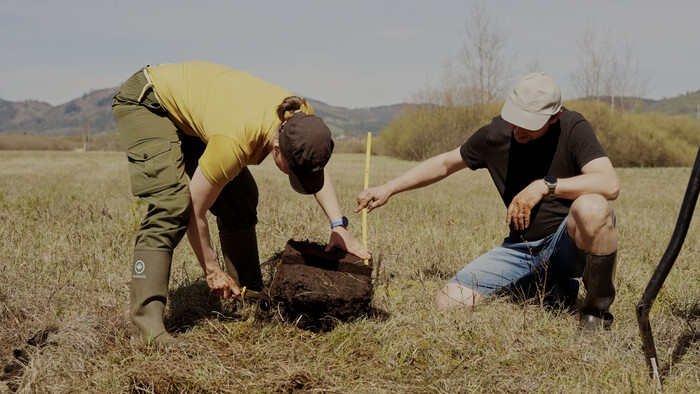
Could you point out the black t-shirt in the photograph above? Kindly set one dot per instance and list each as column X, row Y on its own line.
column 562, row 151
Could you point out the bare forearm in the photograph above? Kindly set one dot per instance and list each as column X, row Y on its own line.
column 571, row 188
column 427, row 172
column 327, row 198
column 198, row 235
column 202, row 196
column 340, row 236
column 598, row 177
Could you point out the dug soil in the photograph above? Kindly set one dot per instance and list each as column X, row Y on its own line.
column 315, row 289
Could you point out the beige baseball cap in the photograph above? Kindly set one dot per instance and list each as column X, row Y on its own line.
column 533, row 100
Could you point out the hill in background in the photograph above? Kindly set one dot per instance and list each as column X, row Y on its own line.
column 686, row 104
column 356, row 122
column 92, row 113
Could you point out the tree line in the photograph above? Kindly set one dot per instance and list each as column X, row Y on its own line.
column 608, row 83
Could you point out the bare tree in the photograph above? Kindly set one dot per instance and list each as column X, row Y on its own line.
column 481, row 68
column 608, row 66
column 623, row 78
column 594, row 57
column 534, row 66
column 446, row 115
column 85, row 134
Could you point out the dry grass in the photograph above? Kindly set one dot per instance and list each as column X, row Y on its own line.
column 35, row 142
column 66, row 232
column 101, row 142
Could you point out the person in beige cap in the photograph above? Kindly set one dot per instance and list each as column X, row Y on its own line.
column 555, row 181
column 190, row 130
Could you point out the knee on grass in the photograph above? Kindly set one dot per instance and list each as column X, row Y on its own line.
column 454, row 295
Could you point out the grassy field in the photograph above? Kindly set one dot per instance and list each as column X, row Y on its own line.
column 67, row 221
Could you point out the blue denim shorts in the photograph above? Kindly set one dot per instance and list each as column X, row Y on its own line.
column 514, row 265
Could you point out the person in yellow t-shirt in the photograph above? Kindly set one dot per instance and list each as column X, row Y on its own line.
column 190, row 130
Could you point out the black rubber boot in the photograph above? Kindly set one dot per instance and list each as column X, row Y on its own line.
column 562, row 294
column 240, row 250
column 599, row 279
column 150, row 274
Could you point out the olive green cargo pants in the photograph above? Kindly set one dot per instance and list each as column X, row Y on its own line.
column 161, row 158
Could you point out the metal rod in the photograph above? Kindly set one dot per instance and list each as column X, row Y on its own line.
column 663, row 268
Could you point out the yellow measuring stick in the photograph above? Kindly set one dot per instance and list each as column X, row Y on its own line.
column 364, row 211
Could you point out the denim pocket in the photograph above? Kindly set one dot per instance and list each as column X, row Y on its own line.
column 151, row 167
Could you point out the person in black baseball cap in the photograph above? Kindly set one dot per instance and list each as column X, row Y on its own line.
column 306, row 145
column 301, row 148
column 190, row 130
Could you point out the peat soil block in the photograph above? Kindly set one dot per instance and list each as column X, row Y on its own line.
column 316, row 289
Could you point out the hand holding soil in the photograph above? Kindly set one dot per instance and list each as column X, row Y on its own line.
column 341, row 238
column 222, row 285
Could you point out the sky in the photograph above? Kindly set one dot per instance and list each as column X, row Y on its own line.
column 352, row 53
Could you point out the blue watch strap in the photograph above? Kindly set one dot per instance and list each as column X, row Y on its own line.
column 341, row 222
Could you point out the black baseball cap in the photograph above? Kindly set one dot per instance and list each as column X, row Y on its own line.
column 306, row 143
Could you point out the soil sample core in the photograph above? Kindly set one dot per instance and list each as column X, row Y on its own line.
column 316, row 289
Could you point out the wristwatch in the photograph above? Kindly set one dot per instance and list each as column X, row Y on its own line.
column 341, row 222
column 551, row 183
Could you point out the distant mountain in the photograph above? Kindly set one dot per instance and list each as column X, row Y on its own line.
column 685, row 104
column 93, row 112
column 356, row 122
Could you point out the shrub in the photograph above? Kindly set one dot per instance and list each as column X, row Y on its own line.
column 350, row 145
column 629, row 139
column 420, row 133
column 642, row 140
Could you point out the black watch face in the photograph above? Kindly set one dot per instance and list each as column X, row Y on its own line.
column 550, row 179
column 345, row 221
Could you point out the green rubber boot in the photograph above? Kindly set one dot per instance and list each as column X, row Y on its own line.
column 599, row 279
column 150, row 274
column 240, row 250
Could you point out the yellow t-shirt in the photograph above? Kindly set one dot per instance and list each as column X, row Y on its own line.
column 232, row 111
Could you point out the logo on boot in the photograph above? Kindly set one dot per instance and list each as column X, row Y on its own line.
column 139, row 267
